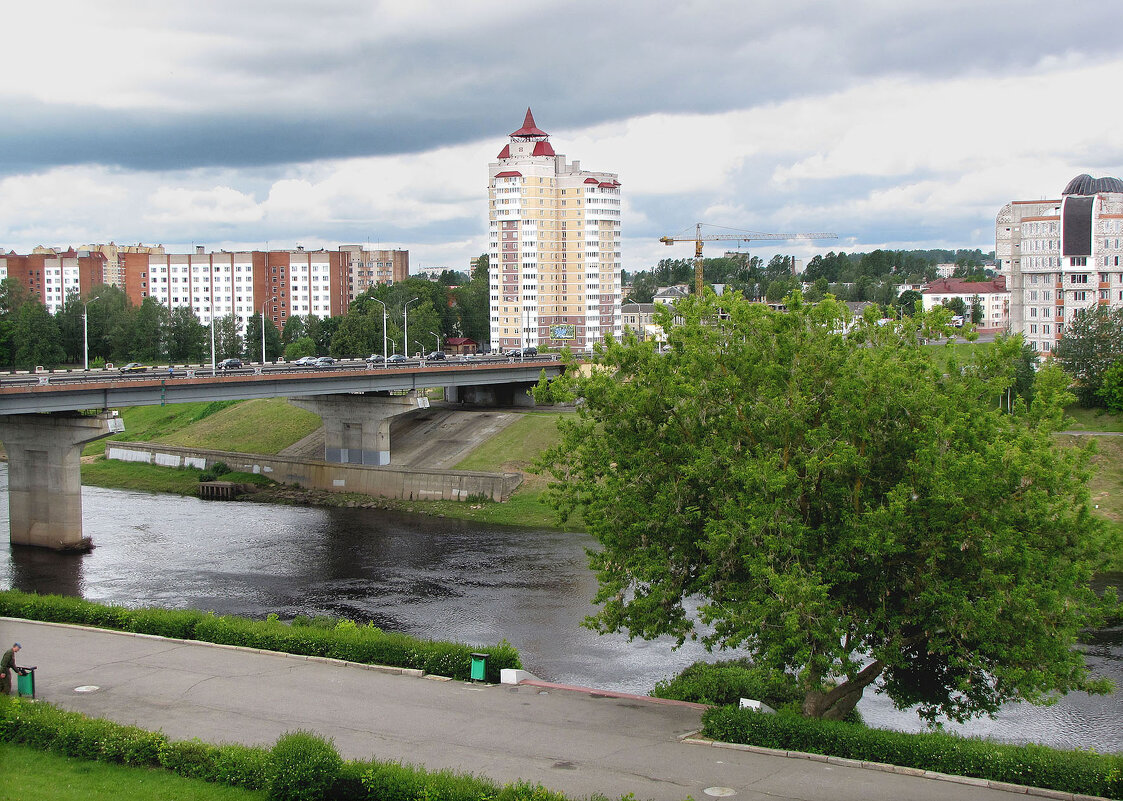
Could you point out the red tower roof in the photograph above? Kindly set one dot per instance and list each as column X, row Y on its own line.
column 505, row 153
column 529, row 128
column 543, row 148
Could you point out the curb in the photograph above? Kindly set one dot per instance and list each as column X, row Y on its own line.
column 1039, row 792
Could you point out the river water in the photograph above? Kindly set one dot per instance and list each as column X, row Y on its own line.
column 431, row 577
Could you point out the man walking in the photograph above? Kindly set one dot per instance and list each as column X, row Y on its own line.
column 7, row 666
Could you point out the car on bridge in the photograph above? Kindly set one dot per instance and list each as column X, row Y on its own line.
column 436, row 356
column 229, row 364
column 305, row 361
column 134, row 367
column 375, row 358
column 397, row 358
column 324, row 361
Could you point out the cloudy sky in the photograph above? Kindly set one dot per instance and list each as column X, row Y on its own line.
column 276, row 123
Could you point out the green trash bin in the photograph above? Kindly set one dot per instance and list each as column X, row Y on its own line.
column 25, row 682
column 479, row 667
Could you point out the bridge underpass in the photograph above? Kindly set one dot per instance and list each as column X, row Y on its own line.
column 43, row 433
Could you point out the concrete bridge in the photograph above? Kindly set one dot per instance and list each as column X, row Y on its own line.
column 46, row 419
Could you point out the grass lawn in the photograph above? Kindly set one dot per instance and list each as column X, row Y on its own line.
column 151, row 478
column 253, row 426
column 44, row 776
column 1094, row 419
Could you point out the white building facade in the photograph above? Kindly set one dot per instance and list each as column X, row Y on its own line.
column 554, row 247
column 1061, row 256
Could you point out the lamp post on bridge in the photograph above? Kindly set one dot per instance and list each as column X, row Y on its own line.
column 405, row 326
column 86, row 330
column 385, row 314
column 437, row 339
column 263, row 328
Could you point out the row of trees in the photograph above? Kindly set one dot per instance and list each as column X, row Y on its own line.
column 874, row 276
column 119, row 331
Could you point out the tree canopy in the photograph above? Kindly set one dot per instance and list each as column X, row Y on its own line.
column 1092, row 342
column 837, row 502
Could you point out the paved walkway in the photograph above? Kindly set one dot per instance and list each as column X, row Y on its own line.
column 577, row 742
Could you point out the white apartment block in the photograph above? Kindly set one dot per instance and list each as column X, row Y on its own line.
column 554, row 245
column 1061, row 256
column 992, row 298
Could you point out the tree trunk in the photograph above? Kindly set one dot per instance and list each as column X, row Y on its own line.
column 840, row 701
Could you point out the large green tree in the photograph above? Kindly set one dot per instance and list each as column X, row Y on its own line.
column 38, row 342
column 189, row 341
column 1092, row 342
column 837, row 503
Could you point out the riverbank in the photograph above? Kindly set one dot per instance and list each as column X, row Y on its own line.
column 526, row 507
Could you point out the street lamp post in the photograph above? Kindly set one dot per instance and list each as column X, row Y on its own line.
column 437, row 340
column 405, row 326
column 263, row 328
column 86, row 330
column 385, row 314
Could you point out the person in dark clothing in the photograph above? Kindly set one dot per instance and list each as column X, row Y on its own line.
column 7, row 667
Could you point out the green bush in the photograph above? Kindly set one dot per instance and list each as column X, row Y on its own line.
column 725, row 683
column 220, row 468
column 178, row 624
column 304, row 767
column 1081, row 772
column 321, row 636
column 207, row 475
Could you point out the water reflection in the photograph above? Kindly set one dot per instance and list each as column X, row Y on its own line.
column 431, row 577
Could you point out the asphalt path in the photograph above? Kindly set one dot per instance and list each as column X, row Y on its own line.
column 576, row 741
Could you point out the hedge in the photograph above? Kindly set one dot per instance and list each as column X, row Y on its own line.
column 1078, row 772
column 301, row 766
column 339, row 639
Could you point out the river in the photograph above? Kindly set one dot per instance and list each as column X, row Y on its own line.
column 432, row 577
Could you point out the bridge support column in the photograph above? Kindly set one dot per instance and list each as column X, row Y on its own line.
column 44, row 475
column 357, row 427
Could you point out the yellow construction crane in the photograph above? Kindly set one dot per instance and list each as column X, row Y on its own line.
column 741, row 236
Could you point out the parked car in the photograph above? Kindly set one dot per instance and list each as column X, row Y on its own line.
column 436, row 356
column 375, row 358
column 325, row 361
column 530, row 352
column 229, row 364
column 134, row 367
column 396, row 358
column 305, row 361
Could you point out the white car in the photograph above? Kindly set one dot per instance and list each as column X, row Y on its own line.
column 305, row 361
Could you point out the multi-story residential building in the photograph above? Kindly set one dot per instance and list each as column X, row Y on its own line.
column 991, row 297
column 283, row 283
column 1061, row 256
column 50, row 276
column 554, row 247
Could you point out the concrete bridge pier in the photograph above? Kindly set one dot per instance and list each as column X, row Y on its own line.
column 357, row 427
column 45, row 477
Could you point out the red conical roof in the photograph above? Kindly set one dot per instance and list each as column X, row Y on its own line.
column 505, row 153
column 529, row 128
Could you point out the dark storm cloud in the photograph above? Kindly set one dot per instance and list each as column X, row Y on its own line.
column 292, row 82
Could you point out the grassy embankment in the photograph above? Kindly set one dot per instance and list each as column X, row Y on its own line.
column 269, row 426
column 30, row 773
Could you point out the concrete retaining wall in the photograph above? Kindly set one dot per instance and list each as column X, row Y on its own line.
column 415, row 484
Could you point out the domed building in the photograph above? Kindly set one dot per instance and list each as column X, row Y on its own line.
column 1061, row 256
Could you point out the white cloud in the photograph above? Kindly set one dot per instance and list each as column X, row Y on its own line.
column 193, row 207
